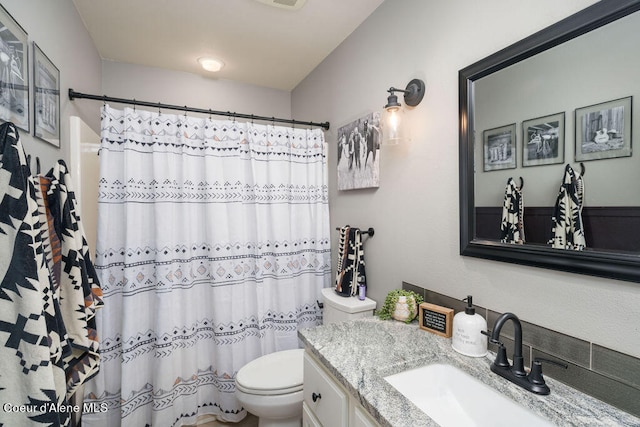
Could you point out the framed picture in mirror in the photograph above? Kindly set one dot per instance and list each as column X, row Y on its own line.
column 499, row 148
column 603, row 131
column 543, row 140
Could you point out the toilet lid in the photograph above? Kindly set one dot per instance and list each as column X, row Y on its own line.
column 275, row 373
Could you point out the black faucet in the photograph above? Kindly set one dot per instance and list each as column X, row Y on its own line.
column 534, row 381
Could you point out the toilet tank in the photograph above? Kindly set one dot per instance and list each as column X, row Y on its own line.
column 339, row 309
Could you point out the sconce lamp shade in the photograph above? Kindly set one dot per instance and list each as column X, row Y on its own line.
column 393, row 132
column 393, row 129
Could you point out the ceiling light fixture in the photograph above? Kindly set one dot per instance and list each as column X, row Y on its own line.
column 211, row 64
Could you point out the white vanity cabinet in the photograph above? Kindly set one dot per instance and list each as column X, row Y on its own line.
column 327, row 403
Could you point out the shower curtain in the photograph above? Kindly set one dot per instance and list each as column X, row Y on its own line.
column 213, row 247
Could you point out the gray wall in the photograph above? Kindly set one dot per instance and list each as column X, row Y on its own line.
column 415, row 210
column 58, row 30
column 179, row 88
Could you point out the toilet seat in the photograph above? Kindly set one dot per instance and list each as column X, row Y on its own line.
column 273, row 374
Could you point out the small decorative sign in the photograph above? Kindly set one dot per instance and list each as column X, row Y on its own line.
column 436, row 319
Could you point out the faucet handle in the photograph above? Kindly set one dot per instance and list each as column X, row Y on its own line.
column 535, row 376
column 491, row 340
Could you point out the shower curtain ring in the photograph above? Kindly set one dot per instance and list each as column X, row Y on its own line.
column 134, row 105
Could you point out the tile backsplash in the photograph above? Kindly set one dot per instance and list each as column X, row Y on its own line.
column 608, row 375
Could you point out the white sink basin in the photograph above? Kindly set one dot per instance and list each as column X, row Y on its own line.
column 454, row 398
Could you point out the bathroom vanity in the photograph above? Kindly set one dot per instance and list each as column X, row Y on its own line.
column 326, row 402
column 346, row 365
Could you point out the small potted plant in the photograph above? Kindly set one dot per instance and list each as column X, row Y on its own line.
column 400, row 304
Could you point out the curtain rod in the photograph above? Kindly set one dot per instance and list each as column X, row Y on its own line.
column 73, row 94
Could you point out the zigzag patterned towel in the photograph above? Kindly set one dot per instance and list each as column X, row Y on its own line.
column 512, row 225
column 350, row 262
column 567, row 227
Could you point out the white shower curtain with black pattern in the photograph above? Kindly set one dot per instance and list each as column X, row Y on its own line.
column 213, row 247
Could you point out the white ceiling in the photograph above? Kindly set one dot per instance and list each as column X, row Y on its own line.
column 259, row 44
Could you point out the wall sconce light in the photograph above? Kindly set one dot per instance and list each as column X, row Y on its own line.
column 393, row 131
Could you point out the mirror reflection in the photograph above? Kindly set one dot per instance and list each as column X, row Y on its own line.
column 569, row 105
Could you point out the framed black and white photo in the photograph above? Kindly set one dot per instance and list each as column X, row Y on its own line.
column 359, row 153
column 14, row 72
column 499, row 148
column 603, row 131
column 47, row 98
column 543, row 140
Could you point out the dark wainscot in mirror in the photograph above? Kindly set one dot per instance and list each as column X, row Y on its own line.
column 621, row 265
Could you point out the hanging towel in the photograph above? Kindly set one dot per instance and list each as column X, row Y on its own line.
column 567, row 228
column 512, row 225
column 30, row 357
column 350, row 262
column 75, row 275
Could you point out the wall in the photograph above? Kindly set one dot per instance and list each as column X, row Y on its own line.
column 179, row 88
column 573, row 78
column 59, row 32
column 415, row 210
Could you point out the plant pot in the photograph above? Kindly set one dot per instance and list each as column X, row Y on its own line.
column 406, row 309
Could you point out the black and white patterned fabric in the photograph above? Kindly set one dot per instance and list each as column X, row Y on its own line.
column 80, row 290
column 48, row 295
column 32, row 380
column 567, row 226
column 512, row 224
column 350, row 270
column 213, row 247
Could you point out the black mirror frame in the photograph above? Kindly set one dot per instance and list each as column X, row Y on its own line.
column 612, row 265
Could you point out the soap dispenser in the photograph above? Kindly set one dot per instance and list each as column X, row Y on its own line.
column 467, row 336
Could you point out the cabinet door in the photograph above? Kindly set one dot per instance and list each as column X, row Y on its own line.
column 323, row 396
column 308, row 419
column 361, row 418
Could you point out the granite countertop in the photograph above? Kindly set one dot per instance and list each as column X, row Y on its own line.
column 362, row 352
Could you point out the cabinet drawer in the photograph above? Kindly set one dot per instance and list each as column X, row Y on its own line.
column 331, row 402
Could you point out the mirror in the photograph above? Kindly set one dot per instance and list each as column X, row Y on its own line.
column 572, row 81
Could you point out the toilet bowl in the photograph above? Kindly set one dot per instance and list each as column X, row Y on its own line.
column 270, row 387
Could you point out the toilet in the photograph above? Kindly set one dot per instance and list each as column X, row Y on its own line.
column 270, row 387
column 340, row 309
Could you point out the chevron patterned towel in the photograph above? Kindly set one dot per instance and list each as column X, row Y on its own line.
column 350, row 272
column 512, row 224
column 567, row 227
